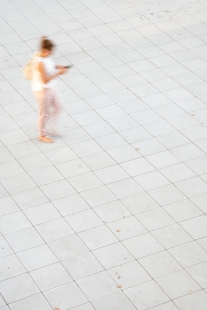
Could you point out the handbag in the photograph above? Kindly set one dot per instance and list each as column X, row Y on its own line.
column 27, row 70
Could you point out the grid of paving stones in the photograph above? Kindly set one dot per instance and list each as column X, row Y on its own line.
column 113, row 215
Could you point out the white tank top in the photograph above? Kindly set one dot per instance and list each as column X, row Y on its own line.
column 49, row 67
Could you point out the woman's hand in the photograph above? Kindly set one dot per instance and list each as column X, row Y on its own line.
column 62, row 71
column 60, row 67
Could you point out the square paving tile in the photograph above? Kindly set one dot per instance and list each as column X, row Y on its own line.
column 110, row 302
column 126, row 228
column 82, row 266
column 65, row 296
column 83, row 220
column 37, row 257
column 98, row 161
column 57, row 190
column 29, row 198
column 162, row 159
column 42, row 213
column 171, row 236
column 196, row 227
column 111, row 174
column 112, row 211
column 137, row 167
column 5, row 249
column 54, row 230
column 189, row 254
column 46, row 176
column 188, row 302
column 123, row 153
column 151, row 295
column 129, row 274
column 159, row 264
column 18, row 287
column 98, row 237
column 150, row 245
column 24, row 239
column 13, row 222
column 84, row 182
column 50, row 276
column 71, row 204
column 151, row 180
column 10, row 267
column 18, row 184
column 178, row 284
column 31, row 302
column 139, row 203
column 198, row 273
column 155, row 219
column 68, row 247
column 98, row 196
column 125, row 188
column 113, row 255
column 72, row 168
column 192, row 187
column 8, row 206
column 166, row 195
column 97, row 285
column 182, row 210
column 176, row 173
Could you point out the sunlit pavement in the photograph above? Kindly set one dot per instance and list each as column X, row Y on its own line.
column 112, row 216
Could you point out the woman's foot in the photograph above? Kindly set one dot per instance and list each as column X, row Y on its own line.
column 46, row 139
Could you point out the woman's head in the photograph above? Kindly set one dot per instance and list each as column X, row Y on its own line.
column 46, row 46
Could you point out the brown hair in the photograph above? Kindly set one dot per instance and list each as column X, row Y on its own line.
column 46, row 44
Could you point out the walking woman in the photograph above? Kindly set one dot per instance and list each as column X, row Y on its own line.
column 44, row 74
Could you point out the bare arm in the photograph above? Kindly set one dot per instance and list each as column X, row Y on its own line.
column 45, row 78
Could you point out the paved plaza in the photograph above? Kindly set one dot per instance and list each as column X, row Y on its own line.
column 112, row 216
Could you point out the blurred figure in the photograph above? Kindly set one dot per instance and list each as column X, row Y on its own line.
column 44, row 74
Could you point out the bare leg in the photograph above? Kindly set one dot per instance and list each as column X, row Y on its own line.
column 56, row 106
column 43, row 99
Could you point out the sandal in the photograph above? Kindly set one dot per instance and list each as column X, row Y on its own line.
column 46, row 139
